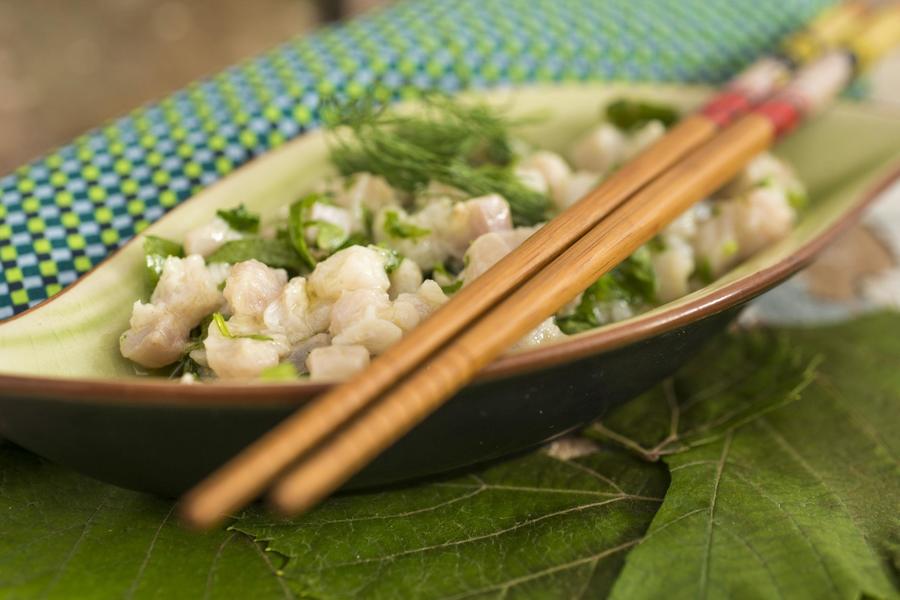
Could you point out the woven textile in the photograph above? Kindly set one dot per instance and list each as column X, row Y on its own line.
column 63, row 214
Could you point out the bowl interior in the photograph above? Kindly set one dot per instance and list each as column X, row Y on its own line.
column 75, row 335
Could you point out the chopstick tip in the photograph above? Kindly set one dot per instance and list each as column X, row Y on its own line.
column 195, row 515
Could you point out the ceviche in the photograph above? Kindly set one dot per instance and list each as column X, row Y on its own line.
column 417, row 207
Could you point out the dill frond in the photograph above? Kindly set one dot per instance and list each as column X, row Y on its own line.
column 466, row 146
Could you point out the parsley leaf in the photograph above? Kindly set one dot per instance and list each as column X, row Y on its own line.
column 396, row 228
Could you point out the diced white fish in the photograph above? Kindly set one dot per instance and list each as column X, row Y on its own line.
column 334, row 363
column 643, row 138
column 410, row 309
column 362, row 317
column 353, row 268
column 489, row 248
column 552, row 167
column 365, row 194
column 546, row 332
column 601, row 149
column 406, row 278
column 288, row 314
column 251, row 286
column 673, row 266
column 185, row 294
column 473, row 218
column 239, row 357
column 533, row 179
column 301, row 351
column 575, row 188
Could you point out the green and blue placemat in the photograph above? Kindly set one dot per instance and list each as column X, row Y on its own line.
column 63, row 214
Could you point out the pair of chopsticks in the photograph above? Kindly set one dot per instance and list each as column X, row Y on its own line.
column 341, row 431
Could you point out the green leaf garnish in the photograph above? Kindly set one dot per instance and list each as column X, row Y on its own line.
column 629, row 115
column 221, row 325
column 329, row 237
column 279, row 254
column 633, row 281
column 156, row 250
column 281, row 372
column 396, row 228
column 240, row 219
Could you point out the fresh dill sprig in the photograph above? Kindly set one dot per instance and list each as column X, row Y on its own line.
column 463, row 145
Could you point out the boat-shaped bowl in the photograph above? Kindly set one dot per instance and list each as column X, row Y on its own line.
column 67, row 394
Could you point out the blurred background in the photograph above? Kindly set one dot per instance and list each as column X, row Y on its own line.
column 67, row 66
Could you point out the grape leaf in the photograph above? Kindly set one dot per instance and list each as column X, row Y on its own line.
column 736, row 379
column 65, row 536
column 536, row 526
column 799, row 503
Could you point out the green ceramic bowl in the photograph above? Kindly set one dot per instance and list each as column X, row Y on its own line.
column 65, row 392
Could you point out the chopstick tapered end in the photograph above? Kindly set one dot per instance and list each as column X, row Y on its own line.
column 196, row 513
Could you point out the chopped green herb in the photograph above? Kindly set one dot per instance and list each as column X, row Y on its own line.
column 798, row 199
column 297, row 228
column 766, row 181
column 222, row 326
column 276, row 253
column 703, row 271
column 356, row 239
column 240, row 219
column 281, row 372
column 657, row 244
column 730, row 248
column 453, row 287
column 156, row 250
column 629, row 115
column 447, row 280
column 392, row 258
column 633, row 281
column 396, row 228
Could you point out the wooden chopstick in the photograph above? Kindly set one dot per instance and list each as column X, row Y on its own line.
column 597, row 252
column 244, row 477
